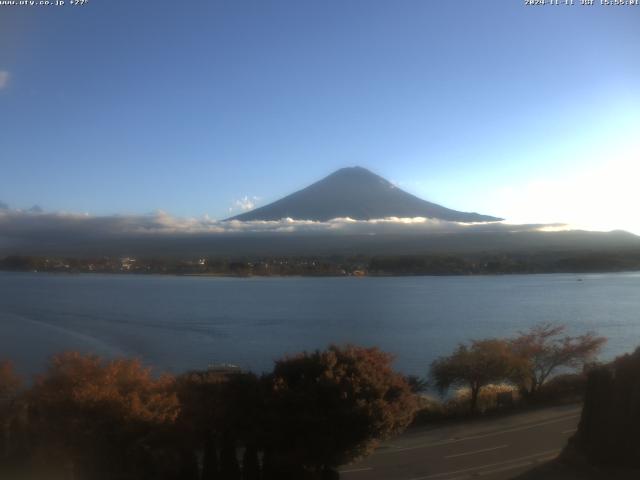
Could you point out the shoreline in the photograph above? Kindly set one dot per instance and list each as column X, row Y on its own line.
column 366, row 275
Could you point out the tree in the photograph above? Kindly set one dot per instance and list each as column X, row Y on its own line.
column 609, row 427
column 10, row 384
column 542, row 350
column 220, row 409
column 250, row 463
column 329, row 407
column 97, row 414
column 229, row 466
column 417, row 384
column 203, row 404
column 474, row 366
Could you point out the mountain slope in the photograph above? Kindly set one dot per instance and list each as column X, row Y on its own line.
column 357, row 193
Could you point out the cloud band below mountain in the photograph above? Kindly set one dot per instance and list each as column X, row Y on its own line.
column 30, row 226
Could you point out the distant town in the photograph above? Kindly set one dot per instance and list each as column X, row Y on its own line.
column 357, row 265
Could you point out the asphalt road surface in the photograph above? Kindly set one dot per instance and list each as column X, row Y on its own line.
column 492, row 449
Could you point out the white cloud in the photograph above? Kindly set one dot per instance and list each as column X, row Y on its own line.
column 19, row 224
column 244, row 204
column 4, row 79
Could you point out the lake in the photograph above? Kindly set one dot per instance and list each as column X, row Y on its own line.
column 179, row 323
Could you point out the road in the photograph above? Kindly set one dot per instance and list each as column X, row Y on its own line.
column 492, row 449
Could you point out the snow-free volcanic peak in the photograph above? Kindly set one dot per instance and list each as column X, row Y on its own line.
column 357, row 193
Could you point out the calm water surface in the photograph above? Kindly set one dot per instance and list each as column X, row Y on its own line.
column 177, row 323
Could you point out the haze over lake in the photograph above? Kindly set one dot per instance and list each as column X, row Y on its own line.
column 178, row 323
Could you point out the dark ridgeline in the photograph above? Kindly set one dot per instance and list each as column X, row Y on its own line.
column 357, row 193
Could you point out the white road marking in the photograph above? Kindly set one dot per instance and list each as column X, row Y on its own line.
column 503, row 469
column 518, row 465
column 476, row 437
column 504, row 464
column 354, row 470
column 476, row 451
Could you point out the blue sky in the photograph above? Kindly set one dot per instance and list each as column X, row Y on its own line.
column 530, row 113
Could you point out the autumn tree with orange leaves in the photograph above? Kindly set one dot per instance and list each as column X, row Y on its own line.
column 544, row 349
column 10, row 382
column 330, row 407
column 475, row 366
column 93, row 419
column 98, row 417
